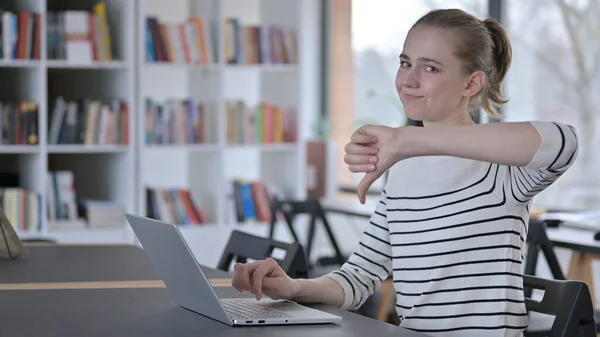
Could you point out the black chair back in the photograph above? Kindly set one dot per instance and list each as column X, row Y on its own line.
column 537, row 240
column 569, row 301
column 243, row 246
column 290, row 209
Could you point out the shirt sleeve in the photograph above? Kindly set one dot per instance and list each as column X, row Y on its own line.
column 370, row 263
column 553, row 158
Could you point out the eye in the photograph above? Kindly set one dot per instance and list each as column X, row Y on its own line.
column 431, row 69
column 404, row 64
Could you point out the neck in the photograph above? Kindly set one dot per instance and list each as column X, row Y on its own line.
column 461, row 117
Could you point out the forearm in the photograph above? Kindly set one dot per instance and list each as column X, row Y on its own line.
column 513, row 144
column 319, row 290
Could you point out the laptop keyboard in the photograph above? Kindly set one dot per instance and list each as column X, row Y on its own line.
column 244, row 310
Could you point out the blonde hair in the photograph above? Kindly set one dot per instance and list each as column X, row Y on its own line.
column 483, row 46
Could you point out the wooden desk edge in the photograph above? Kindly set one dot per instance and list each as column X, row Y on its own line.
column 216, row 282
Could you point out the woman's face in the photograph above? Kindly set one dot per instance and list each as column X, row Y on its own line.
column 430, row 82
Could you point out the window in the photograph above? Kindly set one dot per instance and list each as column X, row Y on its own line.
column 373, row 32
column 555, row 76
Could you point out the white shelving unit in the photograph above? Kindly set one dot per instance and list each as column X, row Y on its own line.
column 122, row 173
column 209, row 169
column 102, row 172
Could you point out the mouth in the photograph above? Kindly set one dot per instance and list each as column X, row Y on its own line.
column 411, row 97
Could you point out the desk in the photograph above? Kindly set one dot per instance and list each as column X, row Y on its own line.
column 85, row 267
column 149, row 313
column 577, row 239
column 133, row 312
column 78, row 263
column 584, row 248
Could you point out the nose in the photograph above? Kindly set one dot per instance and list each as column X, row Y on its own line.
column 412, row 78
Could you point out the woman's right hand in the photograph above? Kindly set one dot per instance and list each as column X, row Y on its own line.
column 263, row 277
column 373, row 149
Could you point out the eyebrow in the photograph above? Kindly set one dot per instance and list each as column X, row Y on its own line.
column 422, row 59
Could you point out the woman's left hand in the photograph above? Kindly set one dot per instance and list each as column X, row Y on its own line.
column 373, row 149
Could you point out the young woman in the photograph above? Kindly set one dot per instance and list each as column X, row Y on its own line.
column 452, row 221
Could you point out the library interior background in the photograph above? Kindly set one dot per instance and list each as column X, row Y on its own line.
column 201, row 113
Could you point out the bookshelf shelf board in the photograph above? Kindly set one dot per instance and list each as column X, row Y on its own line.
column 186, row 147
column 207, row 225
column 19, row 63
column 19, row 149
column 105, row 230
column 31, row 235
column 203, row 227
column 108, row 235
column 265, row 147
column 69, row 148
column 196, row 226
column 263, row 67
column 248, row 224
column 186, row 66
column 58, row 64
column 278, row 147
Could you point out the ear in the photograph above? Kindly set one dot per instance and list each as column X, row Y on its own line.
column 474, row 84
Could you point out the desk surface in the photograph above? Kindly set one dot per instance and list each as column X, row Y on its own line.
column 130, row 312
column 78, row 263
column 149, row 313
column 69, row 265
column 574, row 238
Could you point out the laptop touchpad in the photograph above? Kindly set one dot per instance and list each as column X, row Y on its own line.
column 283, row 306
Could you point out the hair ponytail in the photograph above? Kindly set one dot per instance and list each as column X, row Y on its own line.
column 501, row 61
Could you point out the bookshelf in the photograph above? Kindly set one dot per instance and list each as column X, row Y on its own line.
column 44, row 144
column 225, row 84
column 122, row 81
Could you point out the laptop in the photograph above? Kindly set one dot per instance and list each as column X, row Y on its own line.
column 190, row 288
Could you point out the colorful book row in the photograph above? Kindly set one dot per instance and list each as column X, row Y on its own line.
column 264, row 123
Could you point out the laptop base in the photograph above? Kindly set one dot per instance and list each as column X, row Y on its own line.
column 289, row 312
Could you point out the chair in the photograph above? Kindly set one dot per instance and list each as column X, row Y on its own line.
column 537, row 240
column 243, row 246
column 292, row 208
column 570, row 302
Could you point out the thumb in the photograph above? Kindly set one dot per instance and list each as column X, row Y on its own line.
column 362, row 136
column 364, row 185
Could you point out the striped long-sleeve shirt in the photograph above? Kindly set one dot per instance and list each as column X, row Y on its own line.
column 451, row 232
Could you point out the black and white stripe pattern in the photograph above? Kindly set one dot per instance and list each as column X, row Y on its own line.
column 451, row 232
column 558, row 152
